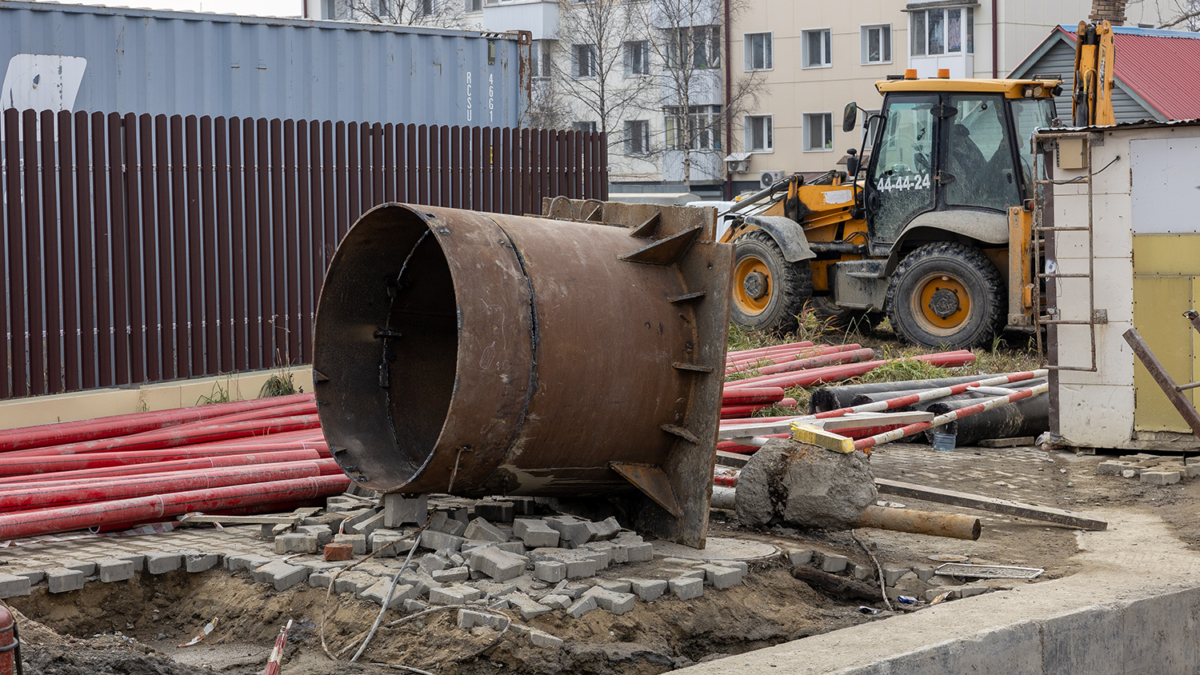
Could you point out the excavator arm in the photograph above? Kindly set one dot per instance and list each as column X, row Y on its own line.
column 1091, row 102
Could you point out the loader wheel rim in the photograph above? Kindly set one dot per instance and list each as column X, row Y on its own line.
column 752, row 285
column 941, row 304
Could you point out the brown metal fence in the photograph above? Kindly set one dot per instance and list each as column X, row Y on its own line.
column 148, row 248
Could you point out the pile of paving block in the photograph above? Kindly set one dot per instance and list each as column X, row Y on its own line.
column 920, row 582
column 1152, row 469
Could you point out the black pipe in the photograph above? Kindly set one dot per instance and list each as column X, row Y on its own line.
column 832, row 398
column 1027, row 417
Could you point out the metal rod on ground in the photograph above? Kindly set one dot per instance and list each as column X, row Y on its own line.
column 1164, row 380
column 878, row 569
column 387, row 599
column 920, row 522
column 991, row 504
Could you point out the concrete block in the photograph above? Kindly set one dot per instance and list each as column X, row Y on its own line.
column 281, row 575
column 614, row 585
column 1111, row 468
column 970, row 591
column 542, row 639
column 497, row 564
column 200, row 562
column 602, row 556
column 13, row 586
column 470, row 618
column 235, row 563
column 389, row 543
column 496, row 512
column 453, row 575
column 88, row 568
column 432, row 562
column 438, row 541
column 482, row 530
column 571, row 589
column 523, row 506
column 643, row 552
column 320, row 579
column 834, row 563
column 686, row 588
column 923, row 572
column 800, row 557
column 528, row 608
column 113, row 569
column 267, row 531
column 892, row 573
column 454, row 594
column 648, row 589
column 401, row 510
column 35, row 577
column 556, row 601
column 443, row 521
column 354, row 582
column 617, row 554
column 64, row 580
column 1161, row 477
column 161, row 563
column 722, row 577
column 1191, row 471
column 411, row 606
column 367, row 525
column 617, row 603
column 549, row 570
column 378, row 593
column 296, row 542
column 535, row 533
column 337, row 551
column 323, row 533
column 606, row 529
column 582, row 606
column 572, row 531
column 358, row 542
column 860, row 572
column 139, row 562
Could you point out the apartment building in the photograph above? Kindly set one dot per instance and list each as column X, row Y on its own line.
column 815, row 57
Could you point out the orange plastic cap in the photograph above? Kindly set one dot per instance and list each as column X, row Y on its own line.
column 944, row 73
column 910, row 74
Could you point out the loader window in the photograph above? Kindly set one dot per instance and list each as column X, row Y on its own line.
column 1030, row 114
column 899, row 184
column 979, row 155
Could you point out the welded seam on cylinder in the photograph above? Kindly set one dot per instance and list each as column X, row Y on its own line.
column 387, row 326
column 533, row 344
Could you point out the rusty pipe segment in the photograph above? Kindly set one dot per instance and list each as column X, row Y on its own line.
column 932, row 523
column 483, row 354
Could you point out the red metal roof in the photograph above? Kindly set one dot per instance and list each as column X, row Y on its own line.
column 1163, row 67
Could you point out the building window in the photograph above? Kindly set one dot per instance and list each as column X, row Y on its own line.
column 584, row 126
column 327, row 10
column 424, row 8
column 637, row 58
column 703, row 124
column 539, row 57
column 637, row 137
column 758, row 51
column 817, row 51
column 585, row 61
column 760, row 136
column 474, row 5
column 818, row 132
column 699, row 45
column 942, row 31
column 876, row 44
column 870, row 127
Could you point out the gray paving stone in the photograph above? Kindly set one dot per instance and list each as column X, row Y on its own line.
column 686, row 588
column 495, row 511
column 357, row 541
column 528, row 608
column 617, row 603
column 64, row 580
column 12, row 586
column 497, row 564
column 88, row 568
column 161, row 563
column 378, row 592
column 892, row 573
column 543, row 639
column 470, row 618
column 452, row 576
column 800, row 557
column 606, row 529
column 834, row 563
column 401, row 510
column 200, row 562
column 411, row 606
column 389, row 543
column 367, row 525
column 245, row 562
column 320, row 580
column 138, row 560
column 354, row 582
column 444, row 521
column 296, row 542
column 432, row 562
column 722, row 577
column 572, row 531
column 454, row 594
column 614, row 585
column 323, row 533
column 556, row 601
column 114, row 569
column 582, row 606
column 647, row 589
column 482, row 530
column 1161, row 477
column 550, row 571
column 281, row 575
column 643, row 552
column 535, row 533
column 437, row 541
column 34, row 576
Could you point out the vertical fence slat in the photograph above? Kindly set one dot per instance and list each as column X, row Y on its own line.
column 329, row 178
column 16, row 262
column 50, row 243
column 363, row 168
column 132, row 266
column 434, row 164
column 378, row 165
column 118, row 233
column 100, row 240
column 340, row 188
column 456, row 138
column 33, row 256
column 6, row 287
column 521, row 166
column 254, row 341
column 423, row 162
column 165, row 257
column 506, row 169
column 603, row 159
column 401, row 158
column 262, row 234
column 195, row 315
column 277, row 317
column 486, row 169
column 211, row 351
column 223, row 205
column 444, row 181
column 353, row 177
column 291, row 236
column 411, row 167
column 237, row 227
column 316, row 178
column 149, row 300
column 179, row 209
column 83, row 221
column 70, row 239
column 303, row 200
column 535, row 171
column 389, row 162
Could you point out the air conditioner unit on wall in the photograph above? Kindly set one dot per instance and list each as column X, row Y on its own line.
column 768, row 178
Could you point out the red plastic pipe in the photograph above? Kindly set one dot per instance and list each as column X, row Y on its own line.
column 843, row 371
column 751, row 395
column 786, row 358
column 53, row 480
column 302, row 408
column 19, row 466
column 109, row 472
column 849, row 356
column 39, row 496
column 761, row 350
column 121, row 425
column 150, row 509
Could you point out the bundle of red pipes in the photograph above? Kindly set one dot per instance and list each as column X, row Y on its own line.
column 803, row 364
column 114, row 472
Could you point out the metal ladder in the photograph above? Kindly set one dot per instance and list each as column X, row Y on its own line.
column 1043, row 145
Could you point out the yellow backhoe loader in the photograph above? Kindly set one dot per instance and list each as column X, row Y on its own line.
column 930, row 224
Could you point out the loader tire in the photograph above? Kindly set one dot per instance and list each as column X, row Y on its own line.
column 768, row 291
column 946, row 295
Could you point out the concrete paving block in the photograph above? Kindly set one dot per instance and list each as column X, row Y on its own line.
column 454, row 594
column 88, row 568
column 320, row 579
column 296, row 542
column 235, row 563
column 323, row 533
column 722, row 577
column 481, row 530
column 614, row 585
column 200, row 562
column 1191, row 471
column 354, row 582
column 686, row 588
column 378, row 593
column 403, row 510
column 800, row 557
column 892, row 573
column 281, row 575
column 497, row 564
column 617, row 603
column 969, row 591
column 494, row 589
column 606, row 529
column 550, row 571
column 453, row 575
column 12, row 586
column 572, row 531
column 389, row 543
column 139, row 561
column 528, row 608
column 366, row 525
column 358, row 542
column 444, row 521
column 64, row 580
column 556, row 601
column 643, row 552
column 1161, row 477
column 617, row 553
column 496, row 512
column 602, row 556
column 35, row 577
column 860, row 572
column 411, row 606
column 432, row 562
column 161, row 563
column 582, row 606
column 648, row 589
column 535, row 533
column 1111, row 468
column 542, row 639
column 834, row 563
column 113, row 569
column 923, row 572
column 438, row 541
column 470, row 618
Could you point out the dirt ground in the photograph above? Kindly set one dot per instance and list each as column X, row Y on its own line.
column 135, row 627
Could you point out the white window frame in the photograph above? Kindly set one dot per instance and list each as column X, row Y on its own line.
column 627, row 57
column 593, row 61
column 966, row 22
column 469, row 7
column 645, row 138
column 769, row 134
column 592, row 126
column 806, row 120
column 768, row 49
column 864, row 42
column 805, row 36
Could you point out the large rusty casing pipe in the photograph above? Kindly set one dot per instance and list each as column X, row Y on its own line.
column 920, row 522
column 483, row 354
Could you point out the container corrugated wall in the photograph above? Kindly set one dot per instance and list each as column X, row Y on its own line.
column 145, row 61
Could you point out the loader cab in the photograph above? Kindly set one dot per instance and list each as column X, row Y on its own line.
column 949, row 145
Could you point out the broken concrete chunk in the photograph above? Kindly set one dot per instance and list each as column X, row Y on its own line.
column 820, row 488
column 1111, row 468
column 582, row 606
column 389, row 543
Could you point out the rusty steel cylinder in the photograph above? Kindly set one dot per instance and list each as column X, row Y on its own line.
column 484, row 354
column 920, row 522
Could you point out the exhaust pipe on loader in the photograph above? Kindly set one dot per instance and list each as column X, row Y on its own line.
column 483, row 354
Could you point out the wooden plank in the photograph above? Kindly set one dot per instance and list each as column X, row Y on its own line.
column 981, row 503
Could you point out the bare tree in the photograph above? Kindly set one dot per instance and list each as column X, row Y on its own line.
column 1173, row 14
column 434, row 13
